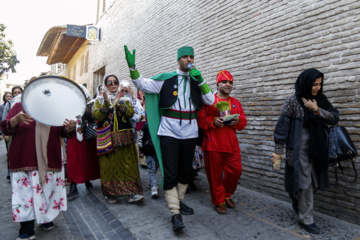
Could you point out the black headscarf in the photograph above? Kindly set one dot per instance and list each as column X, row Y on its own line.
column 317, row 127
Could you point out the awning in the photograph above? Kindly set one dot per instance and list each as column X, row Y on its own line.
column 59, row 47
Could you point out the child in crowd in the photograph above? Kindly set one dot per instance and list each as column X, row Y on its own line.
column 146, row 147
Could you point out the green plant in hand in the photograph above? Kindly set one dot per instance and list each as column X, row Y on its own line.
column 222, row 106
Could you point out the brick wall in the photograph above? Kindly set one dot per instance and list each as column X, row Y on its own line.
column 265, row 44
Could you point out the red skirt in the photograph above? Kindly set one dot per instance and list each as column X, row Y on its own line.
column 82, row 163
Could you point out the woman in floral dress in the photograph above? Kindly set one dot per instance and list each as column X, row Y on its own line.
column 37, row 172
column 119, row 172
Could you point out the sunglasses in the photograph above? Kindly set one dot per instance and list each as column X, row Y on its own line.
column 116, row 82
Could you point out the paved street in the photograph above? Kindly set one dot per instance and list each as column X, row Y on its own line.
column 256, row 216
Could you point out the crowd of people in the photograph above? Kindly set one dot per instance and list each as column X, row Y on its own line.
column 175, row 123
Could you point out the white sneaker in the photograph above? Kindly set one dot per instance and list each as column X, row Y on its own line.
column 135, row 198
column 154, row 192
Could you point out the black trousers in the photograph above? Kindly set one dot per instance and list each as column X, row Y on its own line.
column 177, row 158
column 27, row 227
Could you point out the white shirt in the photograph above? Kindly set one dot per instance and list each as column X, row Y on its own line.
column 169, row 126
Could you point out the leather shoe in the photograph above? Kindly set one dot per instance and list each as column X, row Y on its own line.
column 73, row 193
column 184, row 209
column 177, row 223
column 89, row 185
column 221, row 209
column 311, row 228
column 192, row 186
column 229, row 203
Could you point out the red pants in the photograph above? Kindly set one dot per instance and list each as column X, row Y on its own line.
column 223, row 171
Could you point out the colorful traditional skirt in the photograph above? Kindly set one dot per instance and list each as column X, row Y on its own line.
column 119, row 172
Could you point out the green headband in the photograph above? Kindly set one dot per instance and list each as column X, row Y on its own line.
column 183, row 51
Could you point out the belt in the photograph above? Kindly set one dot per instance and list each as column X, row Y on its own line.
column 180, row 115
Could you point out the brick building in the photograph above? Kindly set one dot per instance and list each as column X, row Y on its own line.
column 265, row 44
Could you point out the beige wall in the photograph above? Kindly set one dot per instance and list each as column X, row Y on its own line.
column 265, row 45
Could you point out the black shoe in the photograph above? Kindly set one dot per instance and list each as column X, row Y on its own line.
column 295, row 203
column 192, row 186
column 177, row 223
column 88, row 185
column 73, row 193
column 311, row 228
column 8, row 177
column 184, row 209
column 48, row 226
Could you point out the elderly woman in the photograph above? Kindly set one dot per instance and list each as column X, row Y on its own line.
column 139, row 115
column 119, row 171
column 37, row 173
column 302, row 129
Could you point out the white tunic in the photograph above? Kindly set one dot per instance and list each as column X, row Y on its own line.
column 169, row 126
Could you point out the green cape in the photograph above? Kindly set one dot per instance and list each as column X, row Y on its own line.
column 154, row 114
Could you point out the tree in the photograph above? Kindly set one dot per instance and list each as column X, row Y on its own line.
column 8, row 58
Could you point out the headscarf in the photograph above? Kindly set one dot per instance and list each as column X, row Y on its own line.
column 86, row 92
column 98, row 93
column 4, row 100
column 317, row 127
column 110, row 95
column 126, row 84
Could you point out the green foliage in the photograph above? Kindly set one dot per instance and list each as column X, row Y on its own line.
column 222, row 106
column 8, row 58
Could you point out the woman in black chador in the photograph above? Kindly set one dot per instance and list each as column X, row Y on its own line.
column 302, row 129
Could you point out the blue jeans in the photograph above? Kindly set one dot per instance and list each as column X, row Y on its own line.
column 152, row 165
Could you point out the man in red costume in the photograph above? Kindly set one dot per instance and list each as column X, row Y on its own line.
column 220, row 144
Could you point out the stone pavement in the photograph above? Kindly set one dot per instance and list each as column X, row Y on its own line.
column 256, row 216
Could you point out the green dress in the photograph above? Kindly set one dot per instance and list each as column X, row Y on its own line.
column 119, row 172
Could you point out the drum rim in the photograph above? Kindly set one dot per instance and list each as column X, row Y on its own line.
column 42, row 78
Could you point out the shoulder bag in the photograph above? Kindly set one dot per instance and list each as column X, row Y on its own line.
column 103, row 140
column 341, row 148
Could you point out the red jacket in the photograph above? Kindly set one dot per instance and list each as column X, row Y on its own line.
column 221, row 139
column 22, row 153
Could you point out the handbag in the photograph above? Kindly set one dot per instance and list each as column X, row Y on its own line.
column 103, row 140
column 90, row 131
column 341, row 148
column 122, row 138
